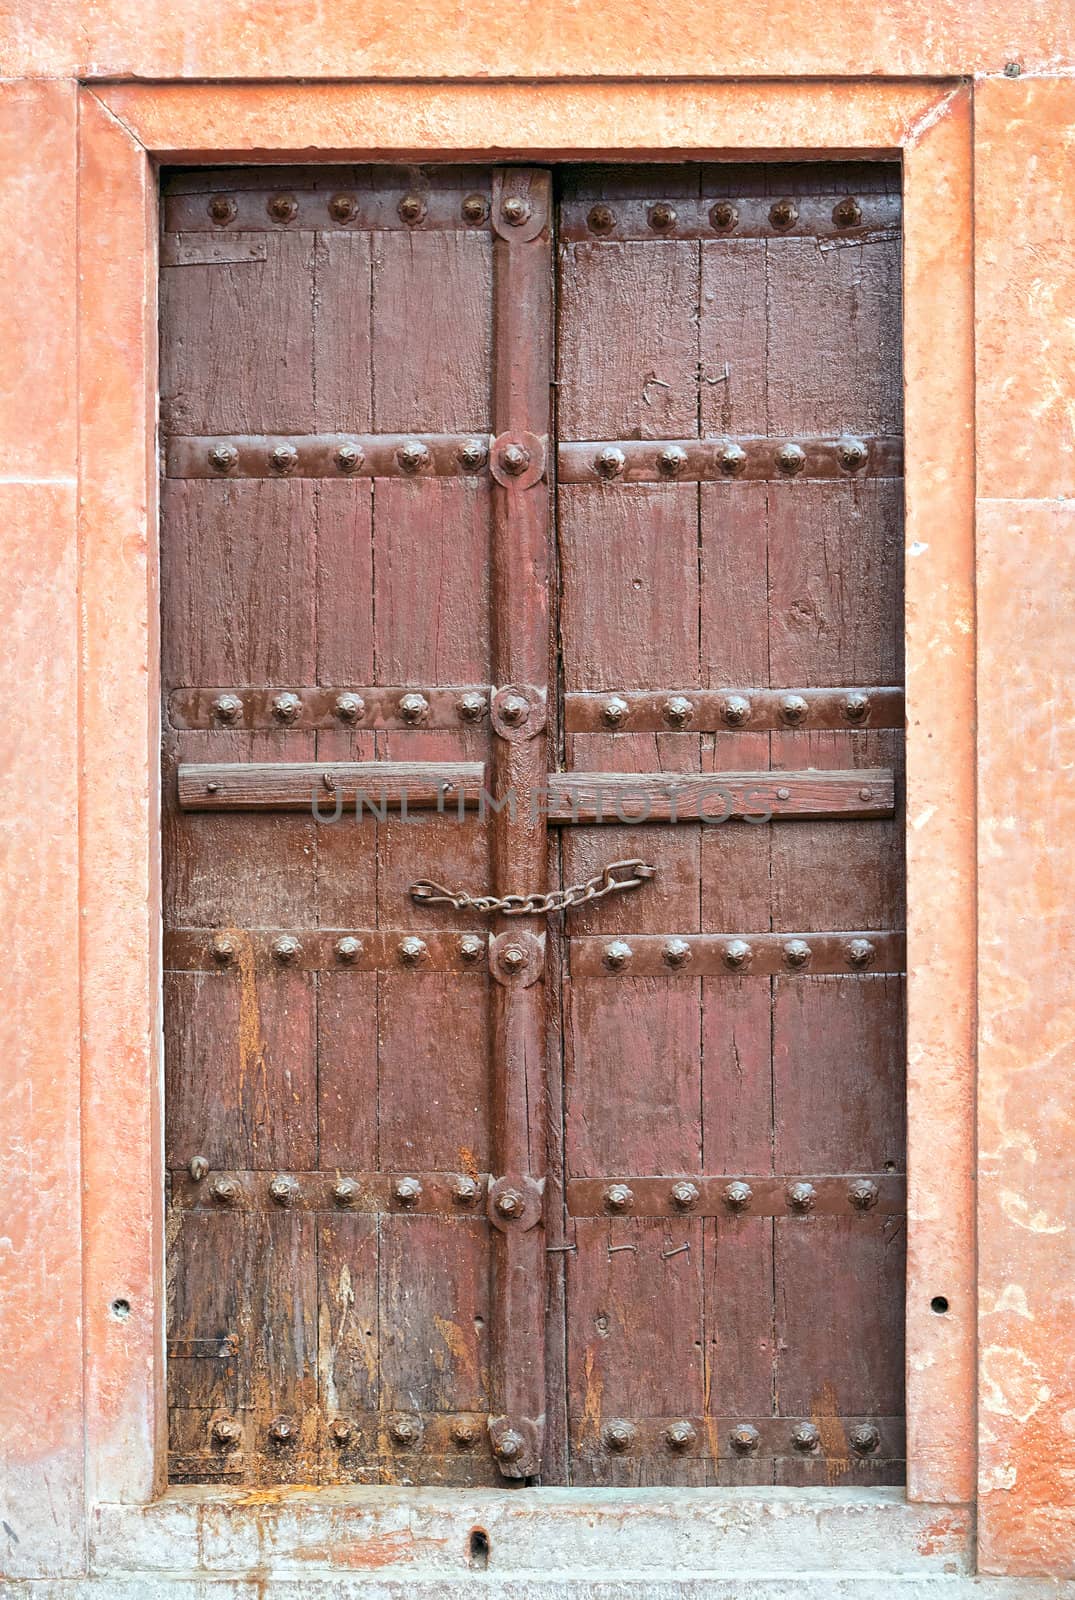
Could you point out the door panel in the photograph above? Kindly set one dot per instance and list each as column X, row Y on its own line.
column 611, row 1194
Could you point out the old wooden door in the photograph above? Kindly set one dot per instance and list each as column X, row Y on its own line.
column 516, row 524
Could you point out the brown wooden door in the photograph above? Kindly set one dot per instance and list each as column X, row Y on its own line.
column 611, row 1194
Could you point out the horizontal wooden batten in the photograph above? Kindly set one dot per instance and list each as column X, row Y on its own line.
column 320, row 786
column 736, row 955
column 713, row 797
column 787, row 459
column 328, row 455
column 350, row 208
column 732, row 710
column 347, row 706
column 456, row 1194
column 745, row 1439
column 732, row 1195
column 226, row 950
column 832, row 218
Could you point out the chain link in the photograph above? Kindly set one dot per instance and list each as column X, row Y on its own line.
column 537, row 905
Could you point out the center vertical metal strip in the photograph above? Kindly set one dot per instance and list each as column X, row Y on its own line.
column 521, row 216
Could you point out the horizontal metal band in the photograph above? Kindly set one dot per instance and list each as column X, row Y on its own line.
column 736, row 955
column 854, row 218
column 349, row 706
column 718, row 710
column 743, row 1438
column 325, row 949
column 327, row 785
column 353, row 1434
column 370, row 1193
column 354, row 209
column 328, row 455
column 731, row 1196
column 727, row 460
column 717, row 796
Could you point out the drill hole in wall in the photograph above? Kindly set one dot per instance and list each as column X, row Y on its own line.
column 121, row 1310
column 939, row 1304
column 478, row 1554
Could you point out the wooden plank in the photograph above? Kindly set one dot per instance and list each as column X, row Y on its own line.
column 411, row 1191
column 748, row 459
column 716, row 797
column 687, row 1192
column 733, row 955
column 715, row 711
column 302, row 786
column 632, row 217
column 338, row 456
column 351, row 704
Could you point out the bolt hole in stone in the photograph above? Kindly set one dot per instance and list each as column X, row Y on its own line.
column 121, row 1310
column 478, row 1555
column 939, row 1304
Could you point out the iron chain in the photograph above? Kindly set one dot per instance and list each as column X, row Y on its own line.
column 534, row 904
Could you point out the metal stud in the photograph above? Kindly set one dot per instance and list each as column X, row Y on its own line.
column 514, row 460
column 345, row 1192
column 475, row 208
column 472, row 454
column 283, row 458
column 225, row 1191
column 471, row 706
column 802, row 1196
column 791, row 459
column 736, row 710
column 662, row 216
column 865, row 793
column 602, row 219
column 516, row 210
column 349, row 457
column 348, row 707
column 671, row 461
column 737, row 954
column 805, row 1438
column 619, row 1435
column 226, row 1432
column 847, row 213
column 738, row 1195
column 404, row 1430
column 282, row 207
column 744, row 1439
column 509, row 1445
column 724, row 216
column 513, row 958
column 286, row 707
column 413, row 708
column 283, row 1190
column 680, row 1436
column 412, row 209
column 614, row 711
column 412, row 455
column 514, row 709
column 510, row 1204
column 222, row 209
column 856, row 707
column 340, row 1431
column 860, row 952
column 864, row 1438
column 794, row 709
column 797, row 954
column 223, row 949
column 223, row 457
column 783, row 794
column 678, row 711
column 286, row 949
column 471, row 948
column 198, row 1167
column 407, row 1191
column 618, row 1197
column 348, row 949
column 731, row 459
column 676, row 953
column 412, row 950
column 851, row 453
column 783, row 214
column 464, row 1190
column 342, row 207
column 464, row 1433
column 617, row 955
column 684, row 1195
column 283, row 1430
column 609, row 462
column 863, row 1194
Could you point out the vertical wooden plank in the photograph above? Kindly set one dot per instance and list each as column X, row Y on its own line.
column 740, row 1348
column 348, row 1349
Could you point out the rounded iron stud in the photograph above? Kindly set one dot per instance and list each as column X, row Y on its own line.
column 226, row 1432
column 678, row 711
column 514, row 460
column 282, row 1430
column 412, row 209
column 471, row 455
column 851, row 453
column 222, row 209
column 863, row 1194
column 198, row 1167
column 744, row 1439
column 345, row 1192
column 223, row 457
column 227, row 708
column 617, row 955
column 471, row 948
column 738, row 1195
column 514, row 709
column 618, row 1197
column 865, row 793
column 342, row 207
column 348, row 707
column 662, row 216
column 794, row 710
column 783, row 794
column 737, row 954
column 349, row 457
column 791, row 459
column 348, row 949
column 286, row 949
column 731, row 459
column 797, row 954
column 516, row 210
column 509, row 1446
column 860, row 952
column 672, row 461
column 684, row 1195
column 475, row 208
column 283, row 1190
column 286, row 707
column 783, row 214
column 412, row 455
column 847, row 213
column 283, row 458
column 676, row 953
column 223, row 949
column 619, row 1435
column 464, row 1433
column 471, row 707
column 341, row 1432
column 856, row 707
column 407, row 1191
column 404, row 1431
column 680, row 1436
column 282, row 207
column 802, row 1196
column 609, row 462
column 736, row 710
column 225, row 1191
column 510, row 1203
column 602, row 219
column 412, row 950
column 614, row 711
column 413, row 708
column 805, row 1438
column 724, row 216
column 464, row 1190
column 513, row 958
column 864, row 1438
